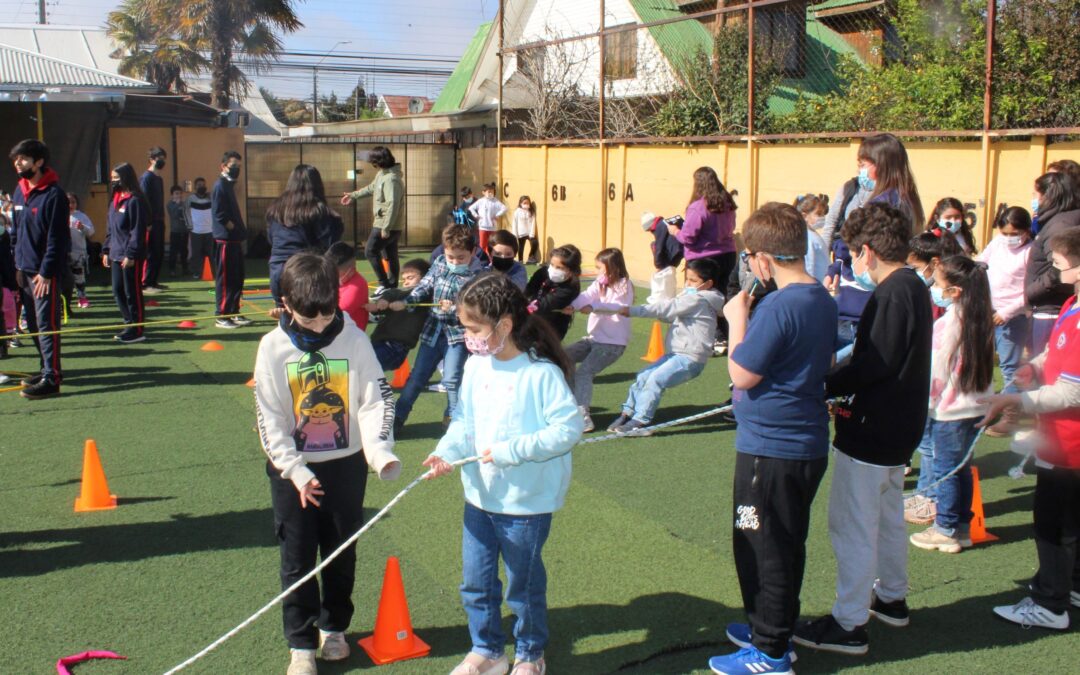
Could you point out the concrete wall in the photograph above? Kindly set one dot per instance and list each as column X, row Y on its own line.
column 197, row 153
column 571, row 194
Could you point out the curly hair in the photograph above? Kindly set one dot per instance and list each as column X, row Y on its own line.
column 707, row 186
column 490, row 296
column 881, row 227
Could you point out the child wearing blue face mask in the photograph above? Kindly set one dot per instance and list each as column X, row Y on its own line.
column 517, row 412
column 443, row 337
column 1007, row 257
column 961, row 376
column 948, row 216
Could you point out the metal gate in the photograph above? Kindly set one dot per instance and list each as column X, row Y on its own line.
column 429, row 171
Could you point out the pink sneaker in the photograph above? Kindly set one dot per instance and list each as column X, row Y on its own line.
column 83, row 303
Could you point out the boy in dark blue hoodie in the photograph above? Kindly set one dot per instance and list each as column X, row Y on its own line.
column 42, row 243
column 229, row 236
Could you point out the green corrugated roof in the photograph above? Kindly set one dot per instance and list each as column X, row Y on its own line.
column 454, row 90
column 677, row 41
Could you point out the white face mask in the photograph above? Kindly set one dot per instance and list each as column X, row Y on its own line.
column 1013, row 240
column 557, row 275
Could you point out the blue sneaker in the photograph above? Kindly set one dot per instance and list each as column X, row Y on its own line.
column 739, row 635
column 750, row 661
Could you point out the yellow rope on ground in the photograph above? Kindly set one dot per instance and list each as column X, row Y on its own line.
column 121, row 326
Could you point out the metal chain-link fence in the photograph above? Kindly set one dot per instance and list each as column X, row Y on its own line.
column 669, row 70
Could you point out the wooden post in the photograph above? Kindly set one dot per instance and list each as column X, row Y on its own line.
column 499, row 111
column 601, row 148
column 750, row 104
column 40, row 122
column 988, row 210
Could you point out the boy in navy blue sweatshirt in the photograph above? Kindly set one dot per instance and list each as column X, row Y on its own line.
column 153, row 186
column 42, row 241
column 229, row 236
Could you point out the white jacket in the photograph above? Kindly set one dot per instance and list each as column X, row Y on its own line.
column 524, row 223
column 487, row 211
column 323, row 406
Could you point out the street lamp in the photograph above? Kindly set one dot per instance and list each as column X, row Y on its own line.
column 315, row 80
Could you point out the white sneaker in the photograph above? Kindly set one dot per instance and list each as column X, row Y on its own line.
column 302, row 662
column 474, row 664
column 1074, row 598
column 333, row 646
column 225, row 323
column 438, row 388
column 242, row 321
column 1029, row 614
column 589, row 426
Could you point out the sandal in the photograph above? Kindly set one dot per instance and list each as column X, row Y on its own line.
column 475, row 664
column 537, row 667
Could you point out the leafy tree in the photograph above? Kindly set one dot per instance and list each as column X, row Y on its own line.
column 146, row 53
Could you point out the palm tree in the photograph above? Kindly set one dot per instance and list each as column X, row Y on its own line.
column 146, row 51
column 223, row 28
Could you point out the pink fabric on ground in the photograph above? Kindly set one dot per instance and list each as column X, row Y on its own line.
column 63, row 663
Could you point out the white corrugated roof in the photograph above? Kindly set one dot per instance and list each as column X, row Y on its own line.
column 21, row 68
column 82, row 45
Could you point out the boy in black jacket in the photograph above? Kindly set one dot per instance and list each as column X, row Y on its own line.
column 229, row 236
column 153, row 186
column 42, row 241
column 878, row 426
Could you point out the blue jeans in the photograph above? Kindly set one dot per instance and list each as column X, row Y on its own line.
column 926, row 460
column 391, row 354
column 845, row 332
column 668, row 371
column 1040, row 334
column 952, row 440
column 519, row 540
column 1010, row 340
column 427, row 359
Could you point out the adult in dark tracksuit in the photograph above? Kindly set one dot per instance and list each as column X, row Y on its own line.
column 299, row 220
column 125, row 251
column 154, row 188
column 229, row 236
column 42, row 243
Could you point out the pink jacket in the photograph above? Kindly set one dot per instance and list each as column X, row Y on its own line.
column 1006, row 273
column 606, row 327
column 947, row 402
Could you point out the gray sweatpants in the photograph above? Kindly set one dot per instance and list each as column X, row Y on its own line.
column 591, row 358
column 869, row 538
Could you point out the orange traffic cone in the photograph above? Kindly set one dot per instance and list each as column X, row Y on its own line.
column 393, row 639
column 95, row 490
column 656, row 344
column 401, row 375
column 212, row 346
column 207, row 273
column 385, row 265
column 978, row 520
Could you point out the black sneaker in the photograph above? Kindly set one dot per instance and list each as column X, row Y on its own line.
column 131, row 338
column 622, row 419
column 225, row 323
column 242, row 321
column 42, row 389
column 827, row 635
column 32, row 380
column 893, row 613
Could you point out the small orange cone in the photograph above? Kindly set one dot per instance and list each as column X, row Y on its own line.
column 978, row 520
column 186, row 324
column 95, row 490
column 393, row 639
column 251, row 383
column 656, row 344
column 207, row 273
column 386, row 265
column 401, row 375
column 212, row 346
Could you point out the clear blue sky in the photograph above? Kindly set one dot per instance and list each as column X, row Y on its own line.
column 431, row 28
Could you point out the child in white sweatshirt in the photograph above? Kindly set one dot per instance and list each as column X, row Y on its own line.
column 323, row 408
column 487, row 210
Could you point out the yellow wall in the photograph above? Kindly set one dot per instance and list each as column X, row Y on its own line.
column 198, row 153
column 476, row 166
column 660, row 178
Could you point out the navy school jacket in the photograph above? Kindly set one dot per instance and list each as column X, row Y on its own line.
column 42, row 238
column 126, row 237
column 226, row 209
column 153, row 186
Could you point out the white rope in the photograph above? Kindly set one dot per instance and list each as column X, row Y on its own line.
column 956, row 469
column 307, row 577
column 327, row 560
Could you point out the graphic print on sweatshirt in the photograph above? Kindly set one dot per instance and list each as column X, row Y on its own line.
column 320, row 392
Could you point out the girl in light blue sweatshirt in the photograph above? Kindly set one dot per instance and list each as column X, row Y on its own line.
column 516, row 411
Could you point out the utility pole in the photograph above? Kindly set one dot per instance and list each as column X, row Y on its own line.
column 42, row 18
column 356, row 99
column 315, row 81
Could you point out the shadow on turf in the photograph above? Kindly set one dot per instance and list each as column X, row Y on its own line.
column 26, row 554
column 104, row 380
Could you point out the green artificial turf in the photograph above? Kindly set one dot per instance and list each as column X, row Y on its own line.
column 640, row 566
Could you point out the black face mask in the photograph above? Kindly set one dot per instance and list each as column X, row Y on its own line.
column 201, row 191
column 159, row 164
column 114, row 186
column 233, row 172
column 308, row 340
column 502, row 264
column 28, row 173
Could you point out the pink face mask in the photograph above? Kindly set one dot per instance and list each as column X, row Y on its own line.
column 481, row 346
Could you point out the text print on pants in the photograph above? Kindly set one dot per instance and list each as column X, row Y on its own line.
column 747, row 518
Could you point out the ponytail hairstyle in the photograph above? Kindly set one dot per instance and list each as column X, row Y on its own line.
column 490, row 296
column 965, row 232
column 810, row 203
column 1016, row 216
column 976, row 321
column 570, row 256
column 613, row 261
